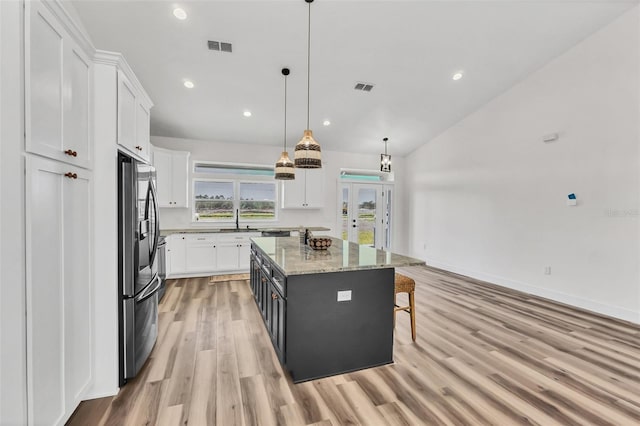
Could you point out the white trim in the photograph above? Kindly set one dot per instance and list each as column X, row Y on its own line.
column 117, row 60
column 579, row 302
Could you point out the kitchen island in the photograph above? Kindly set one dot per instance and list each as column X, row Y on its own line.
column 327, row 312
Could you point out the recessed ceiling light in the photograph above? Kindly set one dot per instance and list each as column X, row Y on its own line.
column 457, row 76
column 326, row 123
column 188, row 84
column 180, row 13
column 247, row 113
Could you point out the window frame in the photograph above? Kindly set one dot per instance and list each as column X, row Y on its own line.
column 236, row 179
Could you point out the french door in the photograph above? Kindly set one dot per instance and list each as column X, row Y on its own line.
column 365, row 213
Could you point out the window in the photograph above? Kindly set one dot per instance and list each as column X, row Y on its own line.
column 219, row 190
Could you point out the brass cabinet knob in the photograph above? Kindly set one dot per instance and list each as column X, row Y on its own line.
column 139, row 148
column 71, row 175
column 71, row 152
column 274, row 296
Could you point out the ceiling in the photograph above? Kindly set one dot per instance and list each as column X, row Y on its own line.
column 408, row 49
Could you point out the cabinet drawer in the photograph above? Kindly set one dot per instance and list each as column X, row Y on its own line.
column 200, row 238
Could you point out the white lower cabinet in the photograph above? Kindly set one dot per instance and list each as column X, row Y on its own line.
column 208, row 253
column 59, row 289
column 200, row 253
column 177, row 254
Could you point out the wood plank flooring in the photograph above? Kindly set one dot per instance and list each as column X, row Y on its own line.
column 484, row 355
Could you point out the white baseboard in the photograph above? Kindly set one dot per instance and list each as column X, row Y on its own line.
column 569, row 299
column 100, row 393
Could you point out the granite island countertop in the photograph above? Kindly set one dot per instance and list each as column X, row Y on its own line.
column 167, row 232
column 296, row 259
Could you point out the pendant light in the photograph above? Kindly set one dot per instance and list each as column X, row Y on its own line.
column 307, row 153
column 385, row 159
column 284, row 167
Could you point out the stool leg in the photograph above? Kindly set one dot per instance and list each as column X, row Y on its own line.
column 412, row 305
column 394, row 311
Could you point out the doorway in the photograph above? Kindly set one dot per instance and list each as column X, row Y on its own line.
column 365, row 213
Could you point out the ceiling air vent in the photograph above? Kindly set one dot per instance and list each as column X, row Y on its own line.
column 220, row 46
column 364, row 87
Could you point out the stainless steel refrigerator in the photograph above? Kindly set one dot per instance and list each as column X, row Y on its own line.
column 138, row 280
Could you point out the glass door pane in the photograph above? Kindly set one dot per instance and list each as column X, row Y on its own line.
column 344, row 212
column 367, row 202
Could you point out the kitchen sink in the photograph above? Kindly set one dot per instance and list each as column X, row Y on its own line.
column 239, row 230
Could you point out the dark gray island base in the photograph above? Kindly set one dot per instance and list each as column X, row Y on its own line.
column 328, row 312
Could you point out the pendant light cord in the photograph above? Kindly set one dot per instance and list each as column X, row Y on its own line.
column 285, row 113
column 308, row 63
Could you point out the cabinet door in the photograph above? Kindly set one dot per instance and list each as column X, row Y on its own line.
column 177, row 245
column 44, row 81
column 276, row 322
column 59, row 295
column 180, row 179
column 163, row 162
column 244, row 255
column 305, row 192
column 76, row 114
column 77, row 288
column 227, row 256
column 126, row 113
column 293, row 192
column 143, row 121
column 57, row 90
column 201, row 254
column 314, row 188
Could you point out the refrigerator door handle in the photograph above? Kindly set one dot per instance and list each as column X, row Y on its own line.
column 151, row 289
column 154, row 203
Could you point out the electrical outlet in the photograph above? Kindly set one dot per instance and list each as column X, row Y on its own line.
column 344, row 295
column 547, row 270
column 424, row 246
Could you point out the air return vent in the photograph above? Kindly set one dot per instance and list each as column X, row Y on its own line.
column 220, row 46
column 364, row 87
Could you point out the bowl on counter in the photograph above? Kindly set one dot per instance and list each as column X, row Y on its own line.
column 319, row 243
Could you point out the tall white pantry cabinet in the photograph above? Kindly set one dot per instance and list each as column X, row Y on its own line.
column 79, row 104
column 58, row 199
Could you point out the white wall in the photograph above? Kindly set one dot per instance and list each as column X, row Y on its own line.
column 488, row 196
column 332, row 162
column 12, row 280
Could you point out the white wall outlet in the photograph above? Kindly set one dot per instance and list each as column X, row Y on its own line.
column 344, row 295
column 547, row 270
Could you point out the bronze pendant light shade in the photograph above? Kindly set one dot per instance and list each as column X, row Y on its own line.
column 285, row 169
column 307, row 151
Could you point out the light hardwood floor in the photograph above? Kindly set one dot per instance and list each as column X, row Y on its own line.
column 484, row 355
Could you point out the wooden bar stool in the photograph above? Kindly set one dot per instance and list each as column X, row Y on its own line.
column 404, row 284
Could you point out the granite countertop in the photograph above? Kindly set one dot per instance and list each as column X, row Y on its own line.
column 167, row 232
column 296, row 259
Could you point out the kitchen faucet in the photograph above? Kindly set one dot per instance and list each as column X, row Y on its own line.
column 237, row 220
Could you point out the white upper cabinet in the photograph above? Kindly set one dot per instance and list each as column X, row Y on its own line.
column 133, row 119
column 172, row 171
column 57, row 88
column 306, row 191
